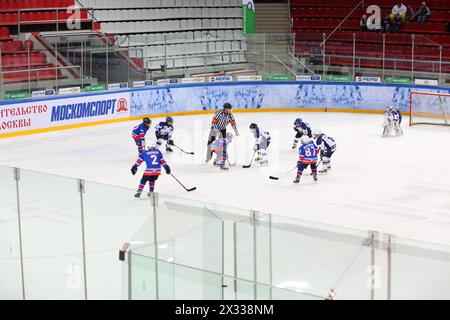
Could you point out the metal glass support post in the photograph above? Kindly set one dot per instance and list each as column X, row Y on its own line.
column 255, row 260
column 56, row 65
column 323, row 55
column 154, row 204
column 412, row 56
column 29, row 69
column 17, row 178
column 354, row 54
column 107, row 63
column 440, row 65
column 81, row 190
column 384, row 53
column 372, row 264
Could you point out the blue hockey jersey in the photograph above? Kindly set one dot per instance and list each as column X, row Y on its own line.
column 154, row 159
column 308, row 152
column 139, row 132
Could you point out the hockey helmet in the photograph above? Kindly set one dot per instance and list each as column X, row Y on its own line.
column 253, row 126
column 169, row 120
column 305, row 139
column 147, row 122
column 298, row 122
column 227, row 105
column 389, row 109
column 317, row 133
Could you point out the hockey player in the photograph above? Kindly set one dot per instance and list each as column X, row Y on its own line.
column 163, row 132
column 219, row 125
column 327, row 147
column 219, row 147
column 138, row 133
column 301, row 128
column 153, row 159
column 307, row 152
column 392, row 120
column 262, row 141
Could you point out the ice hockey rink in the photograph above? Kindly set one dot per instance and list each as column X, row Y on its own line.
column 396, row 185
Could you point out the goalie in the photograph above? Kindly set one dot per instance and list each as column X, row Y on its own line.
column 392, row 120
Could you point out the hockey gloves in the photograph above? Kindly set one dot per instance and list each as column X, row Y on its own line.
column 170, row 142
column 167, row 168
column 134, row 169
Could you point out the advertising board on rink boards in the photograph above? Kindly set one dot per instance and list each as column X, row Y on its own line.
column 39, row 115
column 56, row 113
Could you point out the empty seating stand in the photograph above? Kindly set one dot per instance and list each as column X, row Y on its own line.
column 312, row 20
column 187, row 28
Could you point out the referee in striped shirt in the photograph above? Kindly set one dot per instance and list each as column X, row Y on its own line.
column 219, row 125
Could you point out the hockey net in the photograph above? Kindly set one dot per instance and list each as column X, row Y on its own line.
column 429, row 108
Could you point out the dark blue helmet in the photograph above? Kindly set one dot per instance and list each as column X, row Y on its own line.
column 298, row 122
column 169, row 120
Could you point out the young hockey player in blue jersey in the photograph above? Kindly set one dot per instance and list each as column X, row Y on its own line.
column 219, row 147
column 307, row 157
column 392, row 120
column 301, row 128
column 138, row 133
column 262, row 141
column 327, row 147
column 153, row 159
column 163, row 132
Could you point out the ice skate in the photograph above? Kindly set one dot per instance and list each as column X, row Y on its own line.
column 264, row 162
column 314, row 176
column 294, row 146
column 138, row 194
column 297, row 179
column 222, row 167
column 323, row 171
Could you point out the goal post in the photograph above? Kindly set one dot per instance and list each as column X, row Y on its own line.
column 429, row 108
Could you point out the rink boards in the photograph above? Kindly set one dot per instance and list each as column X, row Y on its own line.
column 88, row 109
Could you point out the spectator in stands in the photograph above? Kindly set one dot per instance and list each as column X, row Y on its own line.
column 411, row 15
column 396, row 24
column 399, row 10
column 363, row 23
column 386, row 24
column 423, row 13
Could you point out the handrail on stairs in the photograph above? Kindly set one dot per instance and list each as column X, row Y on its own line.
column 360, row 3
column 302, row 63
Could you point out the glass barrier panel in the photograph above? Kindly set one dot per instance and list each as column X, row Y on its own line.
column 420, row 270
column 10, row 275
column 112, row 216
column 321, row 258
column 51, row 236
column 197, row 235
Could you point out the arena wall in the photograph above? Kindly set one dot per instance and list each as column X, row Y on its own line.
column 87, row 109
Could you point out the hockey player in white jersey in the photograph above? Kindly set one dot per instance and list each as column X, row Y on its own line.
column 392, row 120
column 262, row 142
column 327, row 147
column 163, row 132
column 301, row 128
column 219, row 147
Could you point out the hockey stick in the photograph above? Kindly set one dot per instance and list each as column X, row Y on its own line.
column 188, row 190
column 278, row 178
column 253, row 157
column 182, row 150
column 231, row 165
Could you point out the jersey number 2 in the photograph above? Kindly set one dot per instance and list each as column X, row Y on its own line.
column 154, row 159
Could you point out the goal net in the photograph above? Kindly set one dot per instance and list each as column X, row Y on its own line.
column 429, row 108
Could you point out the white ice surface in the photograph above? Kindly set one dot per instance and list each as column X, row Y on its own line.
column 397, row 185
